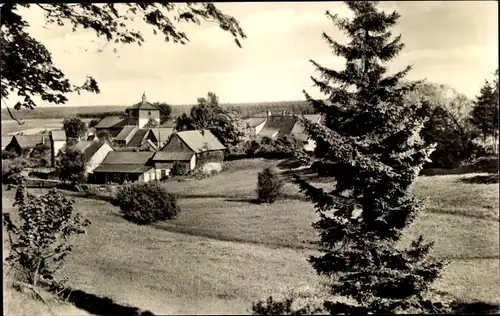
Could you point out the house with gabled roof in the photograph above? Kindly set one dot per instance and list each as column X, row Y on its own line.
column 118, row 167
column 95, row 151
column 57, row 142
column 194, row 148
column 20, row 144
column 143, row 112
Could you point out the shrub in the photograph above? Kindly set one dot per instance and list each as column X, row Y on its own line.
column 40, row 243
column 145, row 203
column 9, row 154
column 178, row 168
column 268, row 186
column 11, row 169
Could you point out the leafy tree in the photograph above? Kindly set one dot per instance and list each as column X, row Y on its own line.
column 40, row 243
column 71, row 166
column 94, row 122
column 104, row 135
column 41, row 151
column 74, row 127
column 484, row 114
column 448, row 124
column 152, row 123
column 209, row 115
column 27, row 66
column 370, row 145
column 178, row 168
column 165, row 111
column 145, row 203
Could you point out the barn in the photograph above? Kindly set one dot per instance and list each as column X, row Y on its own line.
column 195, row 148
column 119, row 167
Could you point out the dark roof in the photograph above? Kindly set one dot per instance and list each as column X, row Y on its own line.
column 127, row 158
column 6, row 140
column 81, row 145
column 144, row 105
column 112, row 122
column 126, row 133
column 254, row 121
column 94, row 147
column 172, row 156
column 58, row 135
column 196, row 141
column 123, row 168
column 138, row 139
column 31, row 140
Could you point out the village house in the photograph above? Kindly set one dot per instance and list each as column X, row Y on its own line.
column 194, row 148
column 142, row 112
column 23, row 144
column 5, row 141
column 118, row 167
column 95, row 151
column 57, row 142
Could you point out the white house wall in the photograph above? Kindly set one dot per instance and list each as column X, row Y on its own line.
column 98, row 157
column 192, row 162
column 57, row 145
column 144, row 117
column 259, row 127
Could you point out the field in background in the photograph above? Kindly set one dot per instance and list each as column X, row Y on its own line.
column 224, row 251
column 62, row 111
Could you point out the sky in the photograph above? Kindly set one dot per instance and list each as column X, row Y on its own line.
column 450, row 42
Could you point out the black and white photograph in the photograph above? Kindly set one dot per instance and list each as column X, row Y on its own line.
column 250, row 158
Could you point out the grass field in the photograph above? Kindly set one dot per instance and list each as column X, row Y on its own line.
column 13, row 126
column 96, row 111
column 224, row 251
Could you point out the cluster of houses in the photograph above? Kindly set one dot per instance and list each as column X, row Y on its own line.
column 140, row 153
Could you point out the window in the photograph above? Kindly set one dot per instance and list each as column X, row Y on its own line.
column 149, row 113
column 163, row 173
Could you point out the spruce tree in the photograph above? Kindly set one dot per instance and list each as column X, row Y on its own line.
column 371, row 148
column 484, row 114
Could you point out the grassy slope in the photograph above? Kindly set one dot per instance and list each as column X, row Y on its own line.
column 174, row 268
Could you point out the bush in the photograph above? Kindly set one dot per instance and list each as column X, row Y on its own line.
column 11, row 169
column 40, row 242
column 178, row 169
column 9, row 154
column 268, row 186
column 145, row 203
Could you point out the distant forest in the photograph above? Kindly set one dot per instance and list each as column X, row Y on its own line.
column 244, row 109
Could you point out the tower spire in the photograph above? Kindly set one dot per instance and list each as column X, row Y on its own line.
column 144, row 96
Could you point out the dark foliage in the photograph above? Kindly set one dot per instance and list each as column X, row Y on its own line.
column 11, row 169
column 40, row 243
column 165, row 111
column 104, row 135
column 269, row 186
column 9, row 154
column 370, row 145
column 178, row 168
column 71, row 167
column 146, row 203
column 209, row 115
column 93, row 122
column 74, row 127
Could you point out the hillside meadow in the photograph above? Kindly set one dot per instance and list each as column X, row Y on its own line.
column 224, row 251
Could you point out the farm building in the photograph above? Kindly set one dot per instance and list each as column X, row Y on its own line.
column 125, row 166
column 195, row 148
column 163, row 162
column 57, row 142
column 112, row 124
column 143, row 111
column 5, row 141
column 19, row 144
column 163, row 134
column 94, row 151
column 131, row 136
